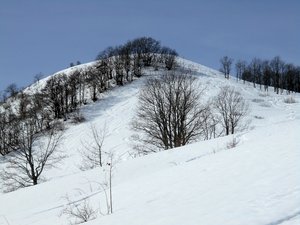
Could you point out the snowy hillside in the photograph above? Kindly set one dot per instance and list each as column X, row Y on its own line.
column 256, row 182
column 38, row 86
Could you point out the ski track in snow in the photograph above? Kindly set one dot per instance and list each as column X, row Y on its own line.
column 286, row 219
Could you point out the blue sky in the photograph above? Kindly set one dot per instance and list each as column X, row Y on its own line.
column 45, row 36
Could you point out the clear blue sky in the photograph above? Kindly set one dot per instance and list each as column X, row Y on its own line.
column 45, row 36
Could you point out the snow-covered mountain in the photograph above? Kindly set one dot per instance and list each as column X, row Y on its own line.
column 256, row 182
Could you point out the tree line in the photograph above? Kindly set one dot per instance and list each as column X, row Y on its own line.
column 64, row 93
column 265, row 73
column 171, row 112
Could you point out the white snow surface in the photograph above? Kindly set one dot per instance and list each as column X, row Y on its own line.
column 38, row 86
column 257, row 182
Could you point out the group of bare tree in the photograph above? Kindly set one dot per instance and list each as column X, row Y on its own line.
column 265, row 73
column 64, row 93
column 139, row 53
column 29, row 140
column 118, row 65
column 31, row 108
column 31, row 124
column 171, row 112
column 114, row 65
column 10, row 91
column 73, row 64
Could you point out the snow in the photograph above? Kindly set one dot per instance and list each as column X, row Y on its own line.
column 257, row 182
column 39, row 85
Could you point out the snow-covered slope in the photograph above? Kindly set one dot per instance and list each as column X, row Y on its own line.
column 38, row 86
column 257, row 182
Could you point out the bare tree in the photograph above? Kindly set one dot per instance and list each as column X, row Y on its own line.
column 226, row 63
column 3, row 97
column 169, row 57
column 33, row 154
column 79, row 211
column 170, row 113
column 125, row 54
column 38, row 77
column 82, row 83
column 256, row 71
column 12, row 90
column 9, row 135
column 240, row 67
column 232, row 108
column 119, row 70
column 277, row 66
column 266, row 74
column 210, row 128
column 92, row 152
column 24, row 104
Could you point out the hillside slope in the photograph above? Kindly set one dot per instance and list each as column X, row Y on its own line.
column 257, row 182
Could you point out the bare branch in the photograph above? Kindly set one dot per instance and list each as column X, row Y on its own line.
column 34, row 153
column 170, row 113
column 232, row 109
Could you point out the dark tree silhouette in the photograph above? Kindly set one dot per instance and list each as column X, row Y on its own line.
column 170, row 112
column 226, row 63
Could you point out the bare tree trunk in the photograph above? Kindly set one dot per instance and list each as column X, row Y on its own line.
column 110, row 186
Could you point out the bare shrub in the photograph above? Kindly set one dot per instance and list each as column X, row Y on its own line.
column 258, row 117
column 78, row 117
column 257, row 100
column 289, row 100
column 264, row 94
column 58, row 124
column 233, row 143
column 79, row 212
